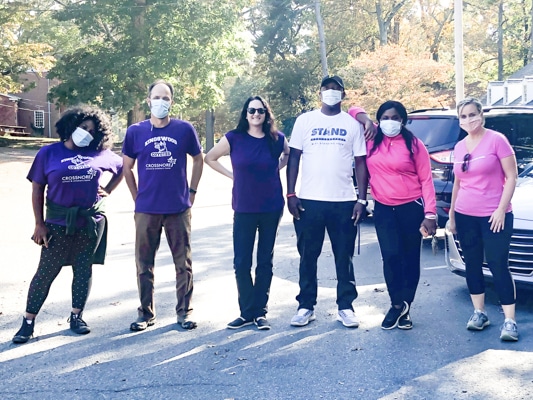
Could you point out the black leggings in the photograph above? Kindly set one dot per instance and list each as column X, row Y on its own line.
column 478, row 242
column 80, row 249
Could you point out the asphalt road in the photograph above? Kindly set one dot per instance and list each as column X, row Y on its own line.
column 437, row 359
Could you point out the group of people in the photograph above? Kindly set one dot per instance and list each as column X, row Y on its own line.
column 327, row 149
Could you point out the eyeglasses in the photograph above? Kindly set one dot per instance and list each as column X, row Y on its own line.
column 252, row 110
column 466, row 162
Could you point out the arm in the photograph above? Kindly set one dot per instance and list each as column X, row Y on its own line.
column 220, row 149
column 361, row 116
column 451, row 213
column 40, row 232
column 428, row 227
column 361, row 175
column 197, row 168
column 293, row 167
column 497, row 219
column 284, row 159
column 127, row 168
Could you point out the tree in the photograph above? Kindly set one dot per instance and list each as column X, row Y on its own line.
column 18, row 51
column 130, row 43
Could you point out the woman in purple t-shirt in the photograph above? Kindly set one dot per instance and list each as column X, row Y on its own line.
column 257, row 151
column 485, row 178
column 74, row 230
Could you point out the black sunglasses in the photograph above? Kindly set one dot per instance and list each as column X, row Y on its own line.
column 252, row 110
column 466, row 162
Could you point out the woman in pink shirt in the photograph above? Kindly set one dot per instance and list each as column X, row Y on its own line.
column 485, row 178
column 405, row 207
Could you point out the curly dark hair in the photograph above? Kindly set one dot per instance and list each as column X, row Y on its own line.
column 411, row 142
column 73, row 117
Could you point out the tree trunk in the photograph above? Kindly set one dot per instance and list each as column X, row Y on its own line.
column 209, row 130
column 322, row 39
column 500, row 41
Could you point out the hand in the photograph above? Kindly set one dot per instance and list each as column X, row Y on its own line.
column 192, row 196
column 370, row 130
column 295, row 206
column 359, row 213
column 428, row 227
column 497, row 221
column 451, row 225
column 102, row 192
column 40, row 235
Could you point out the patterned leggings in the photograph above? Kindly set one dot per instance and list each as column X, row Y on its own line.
column 77, row 249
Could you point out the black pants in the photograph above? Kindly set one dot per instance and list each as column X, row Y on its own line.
column 336, row 219
column 253, row 294
column 478, row 242
column 80, row 249
column 399, row 239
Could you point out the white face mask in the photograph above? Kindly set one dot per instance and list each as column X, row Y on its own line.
column 81, row 137
column 390, row 127
column 331, row 97
column 159, row 108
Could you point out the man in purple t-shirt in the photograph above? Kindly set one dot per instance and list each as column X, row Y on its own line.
column 163, row 199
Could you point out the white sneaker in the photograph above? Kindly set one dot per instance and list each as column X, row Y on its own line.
column 303, row 317
column 348, row 319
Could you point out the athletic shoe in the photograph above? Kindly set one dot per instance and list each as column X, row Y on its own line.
column 348, row 319
column 478, row 321
column 303, row 317
column 25, row 332
column 140, row 324
column 262, row 324
column 393, row 316
column 186, row 322
column 509, row 331
column 405, row 322
column 78, row 325
column 239, row 323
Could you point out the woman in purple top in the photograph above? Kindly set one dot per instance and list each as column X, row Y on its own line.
column 257, row 151
column 73, row 231
column 481, row 214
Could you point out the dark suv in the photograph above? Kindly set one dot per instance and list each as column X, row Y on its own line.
column 439, row 130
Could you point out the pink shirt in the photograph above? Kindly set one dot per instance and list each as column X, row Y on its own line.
column 396, row 178
column 481, row 186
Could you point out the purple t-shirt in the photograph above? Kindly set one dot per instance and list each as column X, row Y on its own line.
column 161, row 155
column 256, row 182
column 481, row 185
column 72, row 176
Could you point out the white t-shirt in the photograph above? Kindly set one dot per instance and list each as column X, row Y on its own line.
column 329, row 145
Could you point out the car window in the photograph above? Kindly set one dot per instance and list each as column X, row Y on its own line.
column 434, row 131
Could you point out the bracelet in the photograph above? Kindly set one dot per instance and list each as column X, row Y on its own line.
column 193, row 191
column 291, row 195
column 430, row 216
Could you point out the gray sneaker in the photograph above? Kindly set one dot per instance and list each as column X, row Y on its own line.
column 509, row 331
column 478, row 321
column 303, row 317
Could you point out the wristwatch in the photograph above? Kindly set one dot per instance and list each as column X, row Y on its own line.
column 363, row 202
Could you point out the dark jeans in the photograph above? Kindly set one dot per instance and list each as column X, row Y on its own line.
column 478, row 242
column 336, row 219
column 79, row 248
column 253, row 295
column 399, row 239
column 147, row 238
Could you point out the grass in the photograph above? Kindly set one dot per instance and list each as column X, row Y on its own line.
column 32, row 143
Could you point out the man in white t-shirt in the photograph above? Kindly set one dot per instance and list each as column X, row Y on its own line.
column 327, row 141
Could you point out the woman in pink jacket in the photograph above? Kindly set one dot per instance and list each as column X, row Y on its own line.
column 405, row 207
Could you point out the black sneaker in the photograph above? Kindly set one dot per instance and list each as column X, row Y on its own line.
column 405, row 322
column 239, row 323
column 393, row 316
column 78, row 325
column 140, row 324
column 262, row 324
column 25, row 332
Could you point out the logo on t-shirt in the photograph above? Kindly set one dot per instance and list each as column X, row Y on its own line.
column 328, row 136
column 160, row 144
column 78, row 163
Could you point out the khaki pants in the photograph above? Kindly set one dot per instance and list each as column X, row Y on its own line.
column 147, row 239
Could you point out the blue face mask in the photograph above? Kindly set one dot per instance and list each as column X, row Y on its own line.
column 159, row 108
column 81, row 137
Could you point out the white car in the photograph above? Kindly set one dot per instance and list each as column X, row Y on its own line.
column 521, row 251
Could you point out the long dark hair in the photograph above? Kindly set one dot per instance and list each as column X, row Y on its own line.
column 411, row 142
column 269, row 124
column 73, row 117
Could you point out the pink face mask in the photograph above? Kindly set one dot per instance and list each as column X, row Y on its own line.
column 471, row 124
